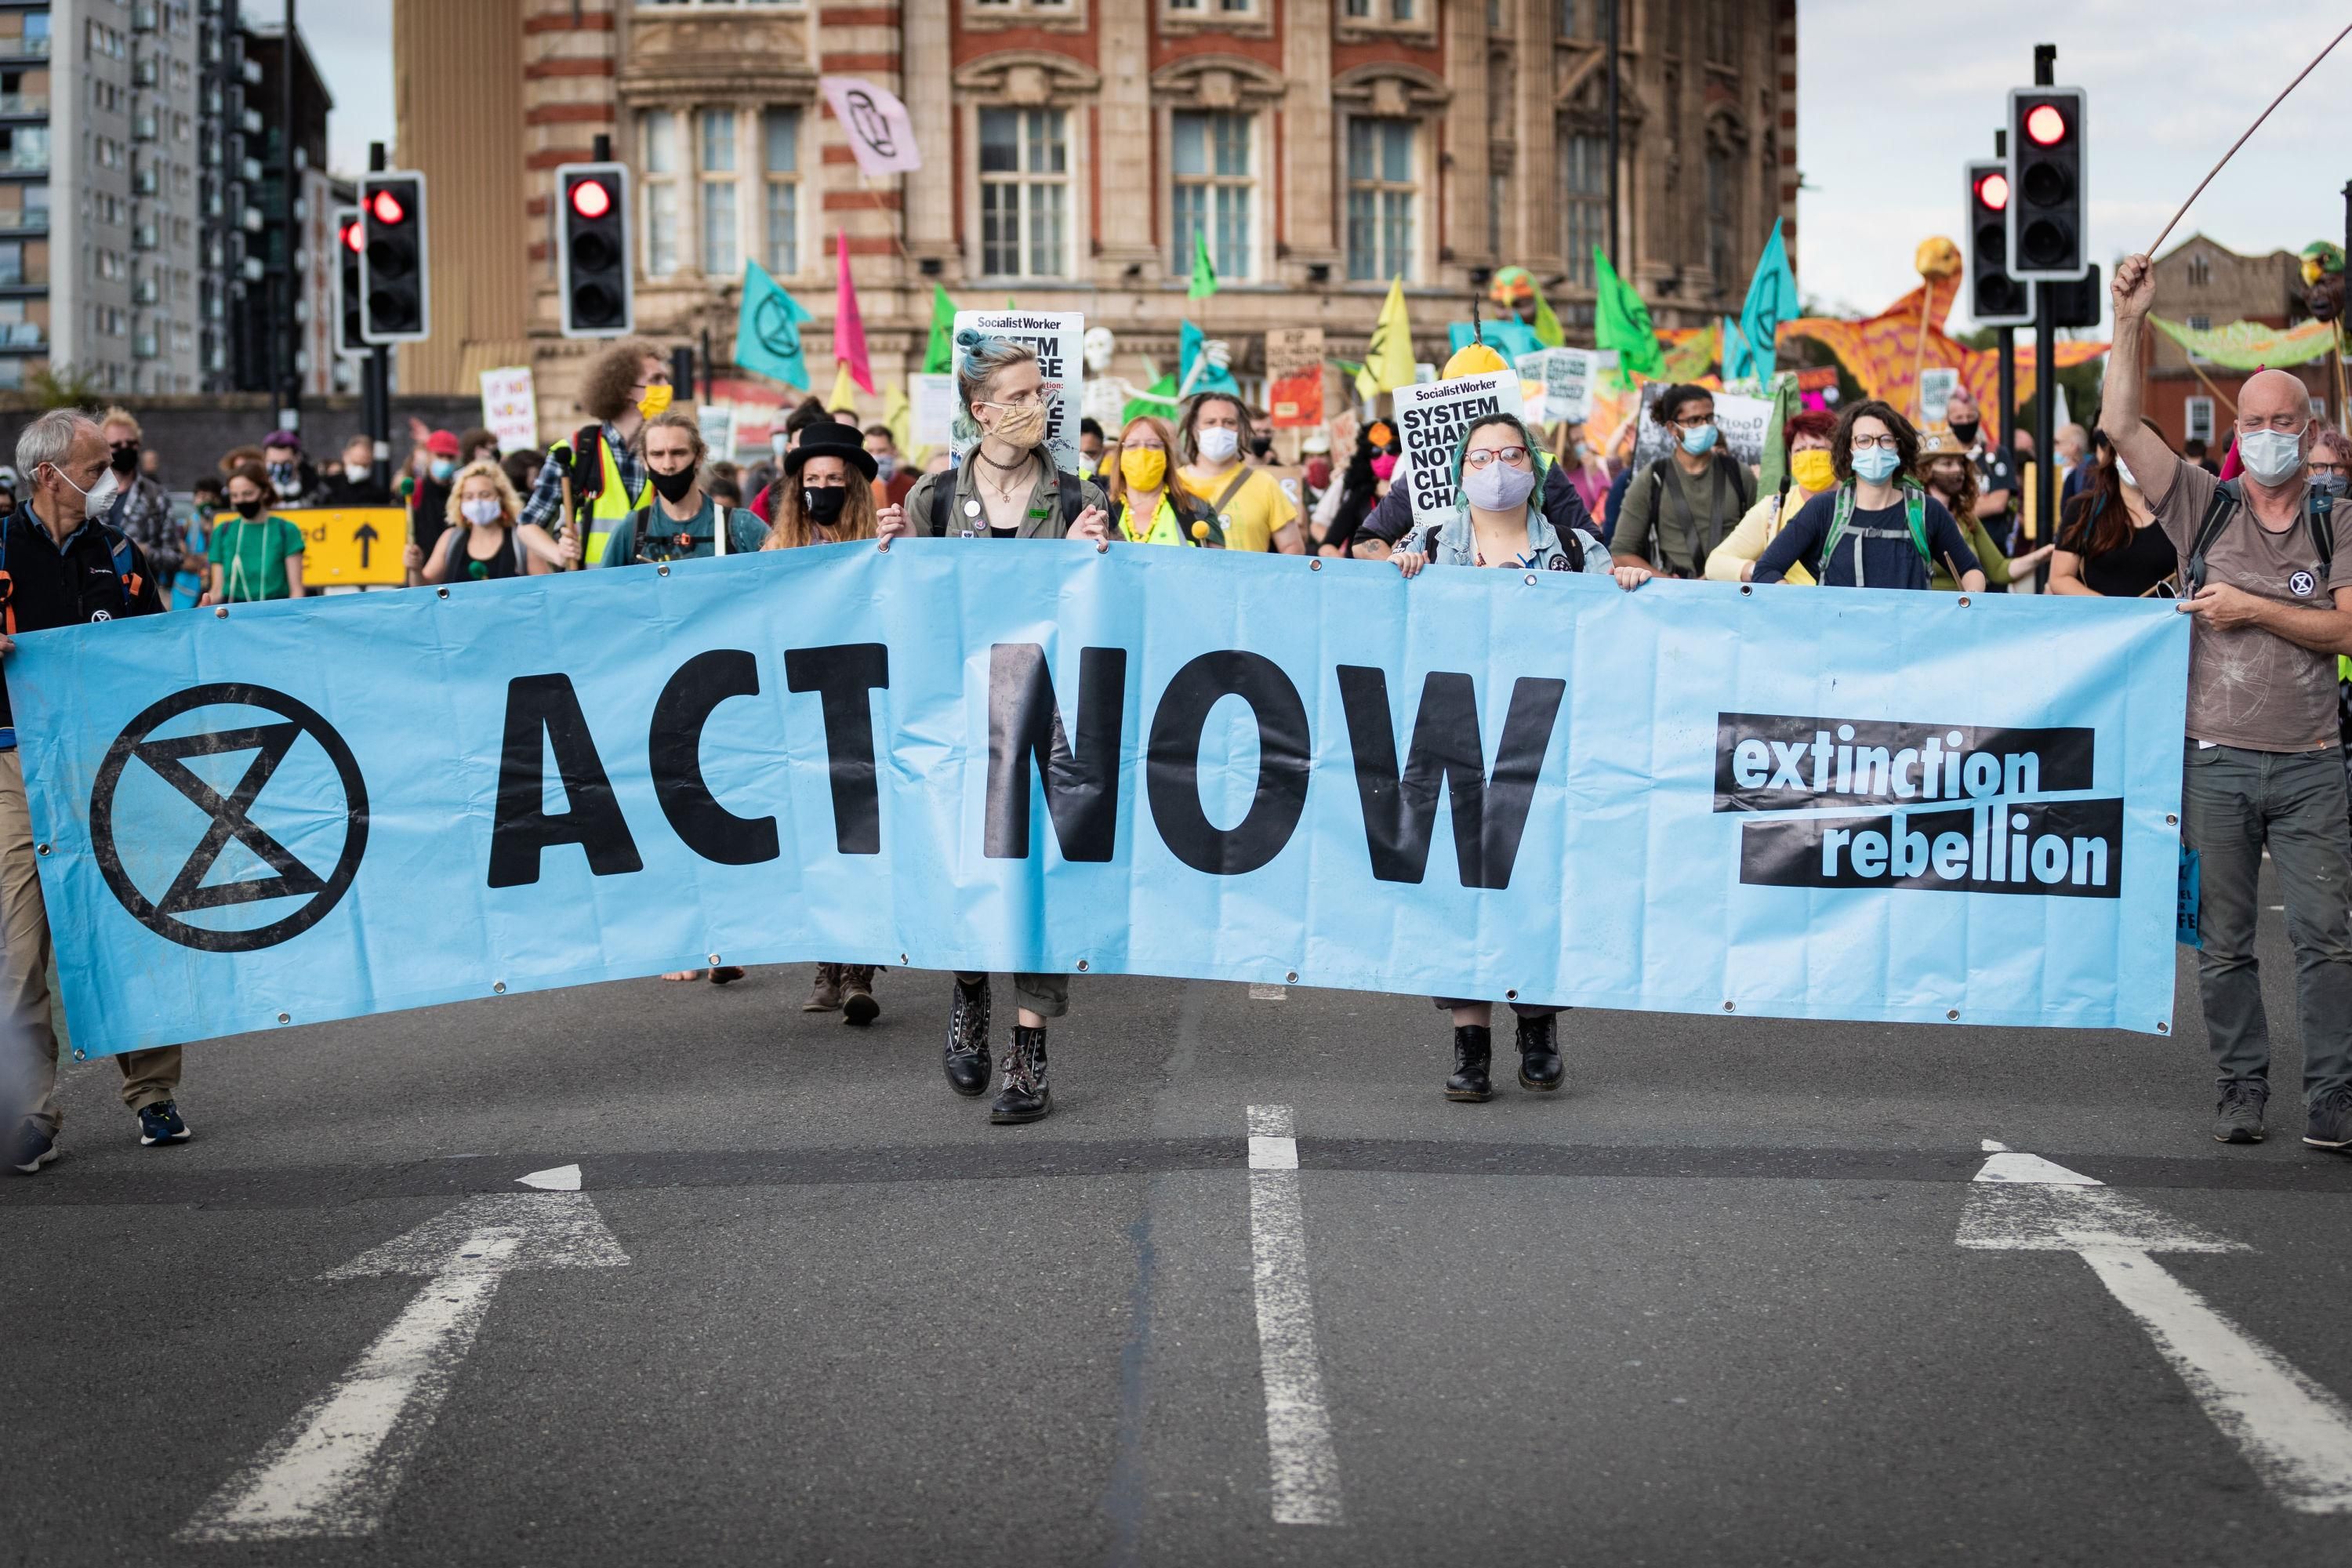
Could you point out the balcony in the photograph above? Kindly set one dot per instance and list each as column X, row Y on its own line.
column 34, row 103
column 23, row 160
column 24, row 220
column 25, row 48
column 22, row 335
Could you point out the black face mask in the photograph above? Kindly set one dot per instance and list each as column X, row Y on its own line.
column 249, row 509
column 823, row 504
column 126, row 458
column 1965, row 431
column 673, row 486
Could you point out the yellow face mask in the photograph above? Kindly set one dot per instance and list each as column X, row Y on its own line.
column 655, row 401
column 1812, row 469
column 1143, row 468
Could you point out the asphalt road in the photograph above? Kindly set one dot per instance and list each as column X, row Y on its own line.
column 810, row 1306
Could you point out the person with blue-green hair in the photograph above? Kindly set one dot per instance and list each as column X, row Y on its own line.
column 1496, row 477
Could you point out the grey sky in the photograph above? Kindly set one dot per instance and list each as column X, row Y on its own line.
column 1892, row 99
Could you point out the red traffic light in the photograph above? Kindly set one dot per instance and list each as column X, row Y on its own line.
column 1992, row 191
column 353, row 240
column 2045, row 124
column 387, row 209
column 592, row 198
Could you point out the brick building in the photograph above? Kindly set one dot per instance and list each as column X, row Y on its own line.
column 1071, row 149
column 2205, row 285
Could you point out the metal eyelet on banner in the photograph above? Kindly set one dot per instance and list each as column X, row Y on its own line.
column 1291, row 978
column 2170, row 820
column 1510, row 996
column 902, row 960
column 40, row 848
column 1964, row 600
column 1746, row 589
column 441, row 593
column 1530, row 579
column 1953, row 1014
column 2163, row 1027
column 80, row 1056
column 221, row 613
column 498, row 987
column 1082, row 966
column 284, row 1017
column 662, row 569
column 1731, row 1006
column 1315, row 564
column 714, row 961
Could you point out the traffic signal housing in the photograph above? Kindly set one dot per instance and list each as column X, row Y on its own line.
column 2049, row 195
column 350, row 241
column 1995, row 299
column 591, row 250
column 396, row 279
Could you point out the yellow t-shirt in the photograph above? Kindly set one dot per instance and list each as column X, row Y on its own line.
column 1255, row 514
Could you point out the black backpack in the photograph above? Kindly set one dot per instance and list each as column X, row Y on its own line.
column 2229, row 500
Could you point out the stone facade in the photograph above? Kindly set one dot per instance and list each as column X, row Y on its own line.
column 1070, row 146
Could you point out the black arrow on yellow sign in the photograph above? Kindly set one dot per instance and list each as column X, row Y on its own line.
column 365, row 536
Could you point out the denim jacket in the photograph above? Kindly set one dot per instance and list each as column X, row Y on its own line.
column 1455, row 543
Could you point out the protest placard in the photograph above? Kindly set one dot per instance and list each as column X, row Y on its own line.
column 1294, row 374
column 1430, row 419
column 1057, row 336
column 511, row 407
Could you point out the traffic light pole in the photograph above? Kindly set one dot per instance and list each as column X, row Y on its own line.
column 376, row 394
column 289, row 324
column 2009, row 386
column 2046, row 362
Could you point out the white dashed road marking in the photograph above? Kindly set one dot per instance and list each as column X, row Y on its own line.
column 1304, row 1467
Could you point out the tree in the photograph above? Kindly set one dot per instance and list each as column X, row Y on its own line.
column 63, row 386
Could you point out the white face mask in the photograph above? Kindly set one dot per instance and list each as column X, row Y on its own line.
column 481, row 512
column 99, row 497
column 2270, row 455
column 1218, row 444
column 356, row 472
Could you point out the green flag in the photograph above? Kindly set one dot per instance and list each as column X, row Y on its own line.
column 1160, row 399
column 1547, row 329
column 939, row 358
column 768, row 329
column 1621, row 321
column 1204, row 276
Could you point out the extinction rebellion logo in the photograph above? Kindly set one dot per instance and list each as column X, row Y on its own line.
column 1958, row 809
column 329, row 798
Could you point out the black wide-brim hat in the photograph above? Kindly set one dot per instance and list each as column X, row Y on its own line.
column 833, row 440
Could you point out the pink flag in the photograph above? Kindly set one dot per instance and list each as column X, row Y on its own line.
column 848, row 326
column 881, row 131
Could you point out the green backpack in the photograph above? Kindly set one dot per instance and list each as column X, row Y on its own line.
column 1914, row 512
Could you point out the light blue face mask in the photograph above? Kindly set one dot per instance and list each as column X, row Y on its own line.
column 1700, row 440
column 1876, row 464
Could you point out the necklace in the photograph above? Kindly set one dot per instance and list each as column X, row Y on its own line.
column 1002, row 492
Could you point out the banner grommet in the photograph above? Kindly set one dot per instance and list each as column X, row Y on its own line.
column 1731, row 1006
column 1082, row 966
column 284, row 1017
column 2163, row 1026
column 1953, row 1014
column 1964, row 600
column 1291, row 978
column 440, row 593
column 498, row 987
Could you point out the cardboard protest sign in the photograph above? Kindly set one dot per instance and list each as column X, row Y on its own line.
column 1430, row 419
column 1293, row 375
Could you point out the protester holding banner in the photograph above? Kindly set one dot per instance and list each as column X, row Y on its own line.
column 1391, row 520
column 484, row 539
column 1879, row 528
column 1214, row 436
column 622, row 386
column 255, row 555
column 84, row 571
column 678, row 522
column 825, row 496
column 2110, row 546
column 1683, row 504
column 2267, row 572
column 1145, row 509
column 1010, row 488
column 1951, row 478
column 1805, row 444
column 1495, row 479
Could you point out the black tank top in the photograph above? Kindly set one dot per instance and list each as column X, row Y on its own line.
column 505, row 563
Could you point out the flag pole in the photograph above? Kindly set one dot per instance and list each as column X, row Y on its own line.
column 2241, row 141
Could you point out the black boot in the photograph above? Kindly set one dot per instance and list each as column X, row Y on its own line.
column 1024, row 1097
column 967, row 1058
column 858, row 1004
column 1474, row 1048
column 1540, row 1068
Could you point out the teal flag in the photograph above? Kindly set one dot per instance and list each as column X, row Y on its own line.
column 1771, row 299
column 768, row 329
column 1211, row 378
column 1509, row 338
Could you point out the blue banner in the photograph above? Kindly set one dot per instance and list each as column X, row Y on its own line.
column 1816, row 802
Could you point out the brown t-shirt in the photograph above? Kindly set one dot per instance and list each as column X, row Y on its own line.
column 2247, row 686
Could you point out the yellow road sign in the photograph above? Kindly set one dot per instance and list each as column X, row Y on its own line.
column 350, row 545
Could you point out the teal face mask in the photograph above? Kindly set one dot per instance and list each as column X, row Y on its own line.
column 1699, row 441
column 1876, row 464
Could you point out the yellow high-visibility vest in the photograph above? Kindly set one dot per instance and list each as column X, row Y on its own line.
column 612, row 502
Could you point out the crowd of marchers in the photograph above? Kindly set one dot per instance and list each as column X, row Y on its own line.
column 2257, row 552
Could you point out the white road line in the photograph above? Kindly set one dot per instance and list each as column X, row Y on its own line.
column 2296, row 1435
column 1269, row 993
column 1304, row 1465
column 335, row 1469
column 557, row 1179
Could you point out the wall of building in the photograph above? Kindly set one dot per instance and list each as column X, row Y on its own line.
column 1491, row 115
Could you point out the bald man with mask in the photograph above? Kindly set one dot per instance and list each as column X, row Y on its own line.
column 2267, row 573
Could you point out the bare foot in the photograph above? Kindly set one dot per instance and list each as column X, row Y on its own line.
column 685, row 974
